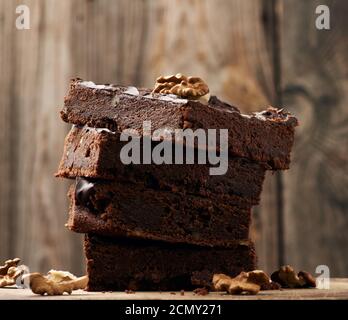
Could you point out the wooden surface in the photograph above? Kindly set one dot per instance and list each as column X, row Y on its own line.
column 338, row 290
column 249, row 52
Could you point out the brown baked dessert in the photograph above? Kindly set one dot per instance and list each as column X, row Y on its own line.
column 266, row 136
column 94, row 153
column 124, row 264
column 130, row 210
column 165, row 226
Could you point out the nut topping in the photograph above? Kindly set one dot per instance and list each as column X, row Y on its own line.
column 180, row 85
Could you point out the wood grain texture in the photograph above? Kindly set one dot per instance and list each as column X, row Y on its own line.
column 315, row 88
column 7, row 114
column 222, row 41
column 338, row 291
column 40, row 61
column 108, row 40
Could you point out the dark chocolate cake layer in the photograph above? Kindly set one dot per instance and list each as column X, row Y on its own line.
column 129, row 210
column 123, row 264
column 94, row 153
column 263, row 137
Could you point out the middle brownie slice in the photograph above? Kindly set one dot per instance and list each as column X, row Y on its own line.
column 116, row 209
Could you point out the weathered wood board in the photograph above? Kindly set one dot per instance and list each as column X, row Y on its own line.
column 338, row 290
column 7, row 202
column 315, row 88
column 38, row 69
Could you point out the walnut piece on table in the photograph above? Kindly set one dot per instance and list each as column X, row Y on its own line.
column 10, row 272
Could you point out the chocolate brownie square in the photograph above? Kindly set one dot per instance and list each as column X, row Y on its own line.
column 263, row 137
column 95, row 153
column 124, row 264
column 130, row 210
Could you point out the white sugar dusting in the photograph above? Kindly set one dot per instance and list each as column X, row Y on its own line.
column 98, row 130
column 166, row 97
column 172, row 98
column 92, row 85
column 132, row 91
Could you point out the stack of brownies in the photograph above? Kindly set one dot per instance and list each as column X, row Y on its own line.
column 164, row 226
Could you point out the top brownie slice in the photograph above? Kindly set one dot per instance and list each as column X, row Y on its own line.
column 263, row 137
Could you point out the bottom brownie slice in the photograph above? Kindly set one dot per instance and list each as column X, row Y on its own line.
column 120, row 264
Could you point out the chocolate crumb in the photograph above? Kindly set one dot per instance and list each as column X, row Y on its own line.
column 201, row 291
column 173, row 293
column 129, row 292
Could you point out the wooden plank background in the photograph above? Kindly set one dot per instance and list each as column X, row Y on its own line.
column 251, row 52
column 315, row 87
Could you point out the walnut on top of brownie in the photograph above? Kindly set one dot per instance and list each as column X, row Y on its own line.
column 180, row 85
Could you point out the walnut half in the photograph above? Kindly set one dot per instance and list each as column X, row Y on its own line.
column 245, row 283
column 180, row 85
column 55, row 282
column 287, row 278
column 10, row 272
